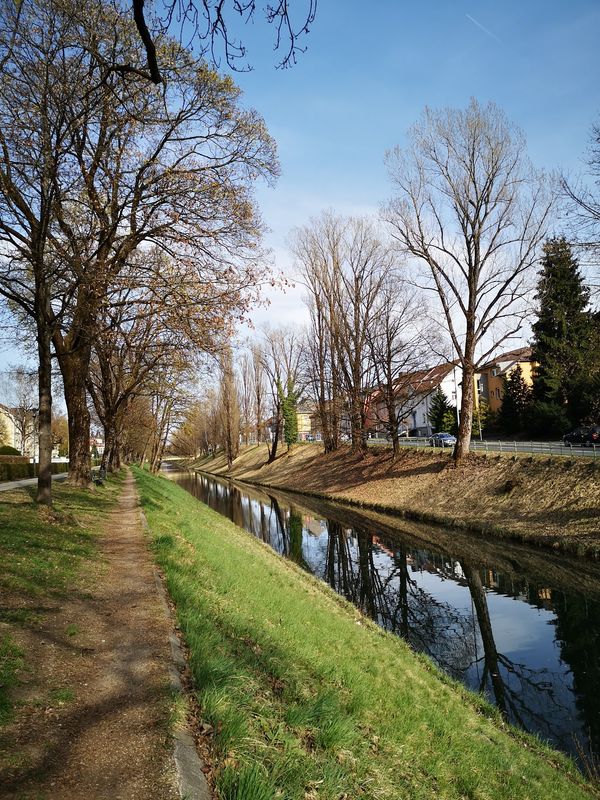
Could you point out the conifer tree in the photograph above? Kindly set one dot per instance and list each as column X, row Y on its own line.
column 442, row 415
column 562, row 327
column 516, row 398
column 289, row 410
column 564, row 334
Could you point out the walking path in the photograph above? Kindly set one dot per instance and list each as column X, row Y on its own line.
column 7, row 486
column 105, row 652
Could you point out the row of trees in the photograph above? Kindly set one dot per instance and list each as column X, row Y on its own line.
column 315, row 367
column 128, row 233
column 467, row 223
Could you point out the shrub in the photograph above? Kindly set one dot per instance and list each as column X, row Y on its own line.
column 7, row 450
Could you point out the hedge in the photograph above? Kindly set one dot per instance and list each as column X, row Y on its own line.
column 15, row 472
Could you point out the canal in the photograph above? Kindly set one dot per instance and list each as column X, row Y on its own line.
column 518, row 624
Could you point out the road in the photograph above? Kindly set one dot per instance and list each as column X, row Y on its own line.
column 7, row 486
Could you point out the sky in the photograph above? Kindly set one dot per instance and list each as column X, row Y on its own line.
column 369, row 70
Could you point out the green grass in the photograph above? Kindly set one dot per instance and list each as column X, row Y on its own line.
column 11, row 661
column 41, row 553
column 308, row 699
column 61, row 696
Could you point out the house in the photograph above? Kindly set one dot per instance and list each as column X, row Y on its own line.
column 18, row 429
column 304, row 416
column 414, row 394
column 96, row 445
column 8, row 431
column 490, row 376
column 423, row 385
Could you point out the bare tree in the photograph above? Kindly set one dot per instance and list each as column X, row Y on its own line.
column 210, row 23
column 471, row 209
column 583, row 211
column 135, row 165
column 344, row 263
column 258, row 385
column 33, row 145
column 399, row 346
column 317, row 248
column 19, row 393
column 281, row 360
column 246, row 394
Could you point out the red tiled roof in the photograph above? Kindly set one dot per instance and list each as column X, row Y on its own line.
column 520, row 354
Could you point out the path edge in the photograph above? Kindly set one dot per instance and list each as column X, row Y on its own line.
column 191, row 780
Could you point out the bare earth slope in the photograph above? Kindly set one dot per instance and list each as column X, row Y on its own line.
column 552, row 501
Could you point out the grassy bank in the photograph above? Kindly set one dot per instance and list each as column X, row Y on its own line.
column 307, row 699
column 42, row 555
column 550, row 501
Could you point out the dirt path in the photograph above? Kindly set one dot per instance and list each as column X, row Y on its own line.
column 97, row 695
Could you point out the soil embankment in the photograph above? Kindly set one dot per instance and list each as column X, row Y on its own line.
column 550, row 501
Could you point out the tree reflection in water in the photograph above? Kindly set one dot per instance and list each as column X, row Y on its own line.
column 394, row 600
column 545, row 673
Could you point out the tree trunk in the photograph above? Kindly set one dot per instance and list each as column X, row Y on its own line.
column 466, row 414
column 392, row 421
column 108, row 446
column 74, row 368
column 487, row 636
column 359, row 442
column 44, row 485
column 142, row 460
column 275, row 442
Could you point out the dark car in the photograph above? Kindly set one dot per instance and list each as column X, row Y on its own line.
column 584, row 436
column 442, row 440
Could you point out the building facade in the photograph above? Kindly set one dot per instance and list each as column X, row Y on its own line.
column 490, row 376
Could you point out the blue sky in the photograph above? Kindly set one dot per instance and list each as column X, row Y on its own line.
column 370, row 69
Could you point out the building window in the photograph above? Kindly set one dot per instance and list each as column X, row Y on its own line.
column 498, row 394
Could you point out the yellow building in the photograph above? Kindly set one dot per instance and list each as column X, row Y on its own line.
column 8, row 434
column 303, row 420
column 490, row 376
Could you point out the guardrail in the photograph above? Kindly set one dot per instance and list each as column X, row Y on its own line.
column 531, row 448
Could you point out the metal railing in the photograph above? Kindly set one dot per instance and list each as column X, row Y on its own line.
column 489, row 446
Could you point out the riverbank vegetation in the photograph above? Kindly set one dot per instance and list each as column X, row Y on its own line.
column 307, row 699
column 541, row 500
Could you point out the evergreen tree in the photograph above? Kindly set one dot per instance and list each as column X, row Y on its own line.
column 289, row 410
column 442, row 415
column 516, row 399
column 564, row 334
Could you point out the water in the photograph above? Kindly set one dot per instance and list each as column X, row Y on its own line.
column 516, row 623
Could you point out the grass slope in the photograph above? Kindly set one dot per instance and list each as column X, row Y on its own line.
column 308, row 699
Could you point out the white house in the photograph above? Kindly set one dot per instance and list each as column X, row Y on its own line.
column 423, row 386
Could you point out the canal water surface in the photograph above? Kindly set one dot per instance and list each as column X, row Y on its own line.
column 520, row 625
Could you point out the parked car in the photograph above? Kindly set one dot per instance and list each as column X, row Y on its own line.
column 442, row 440
column 310, row 437
column 587, row 435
